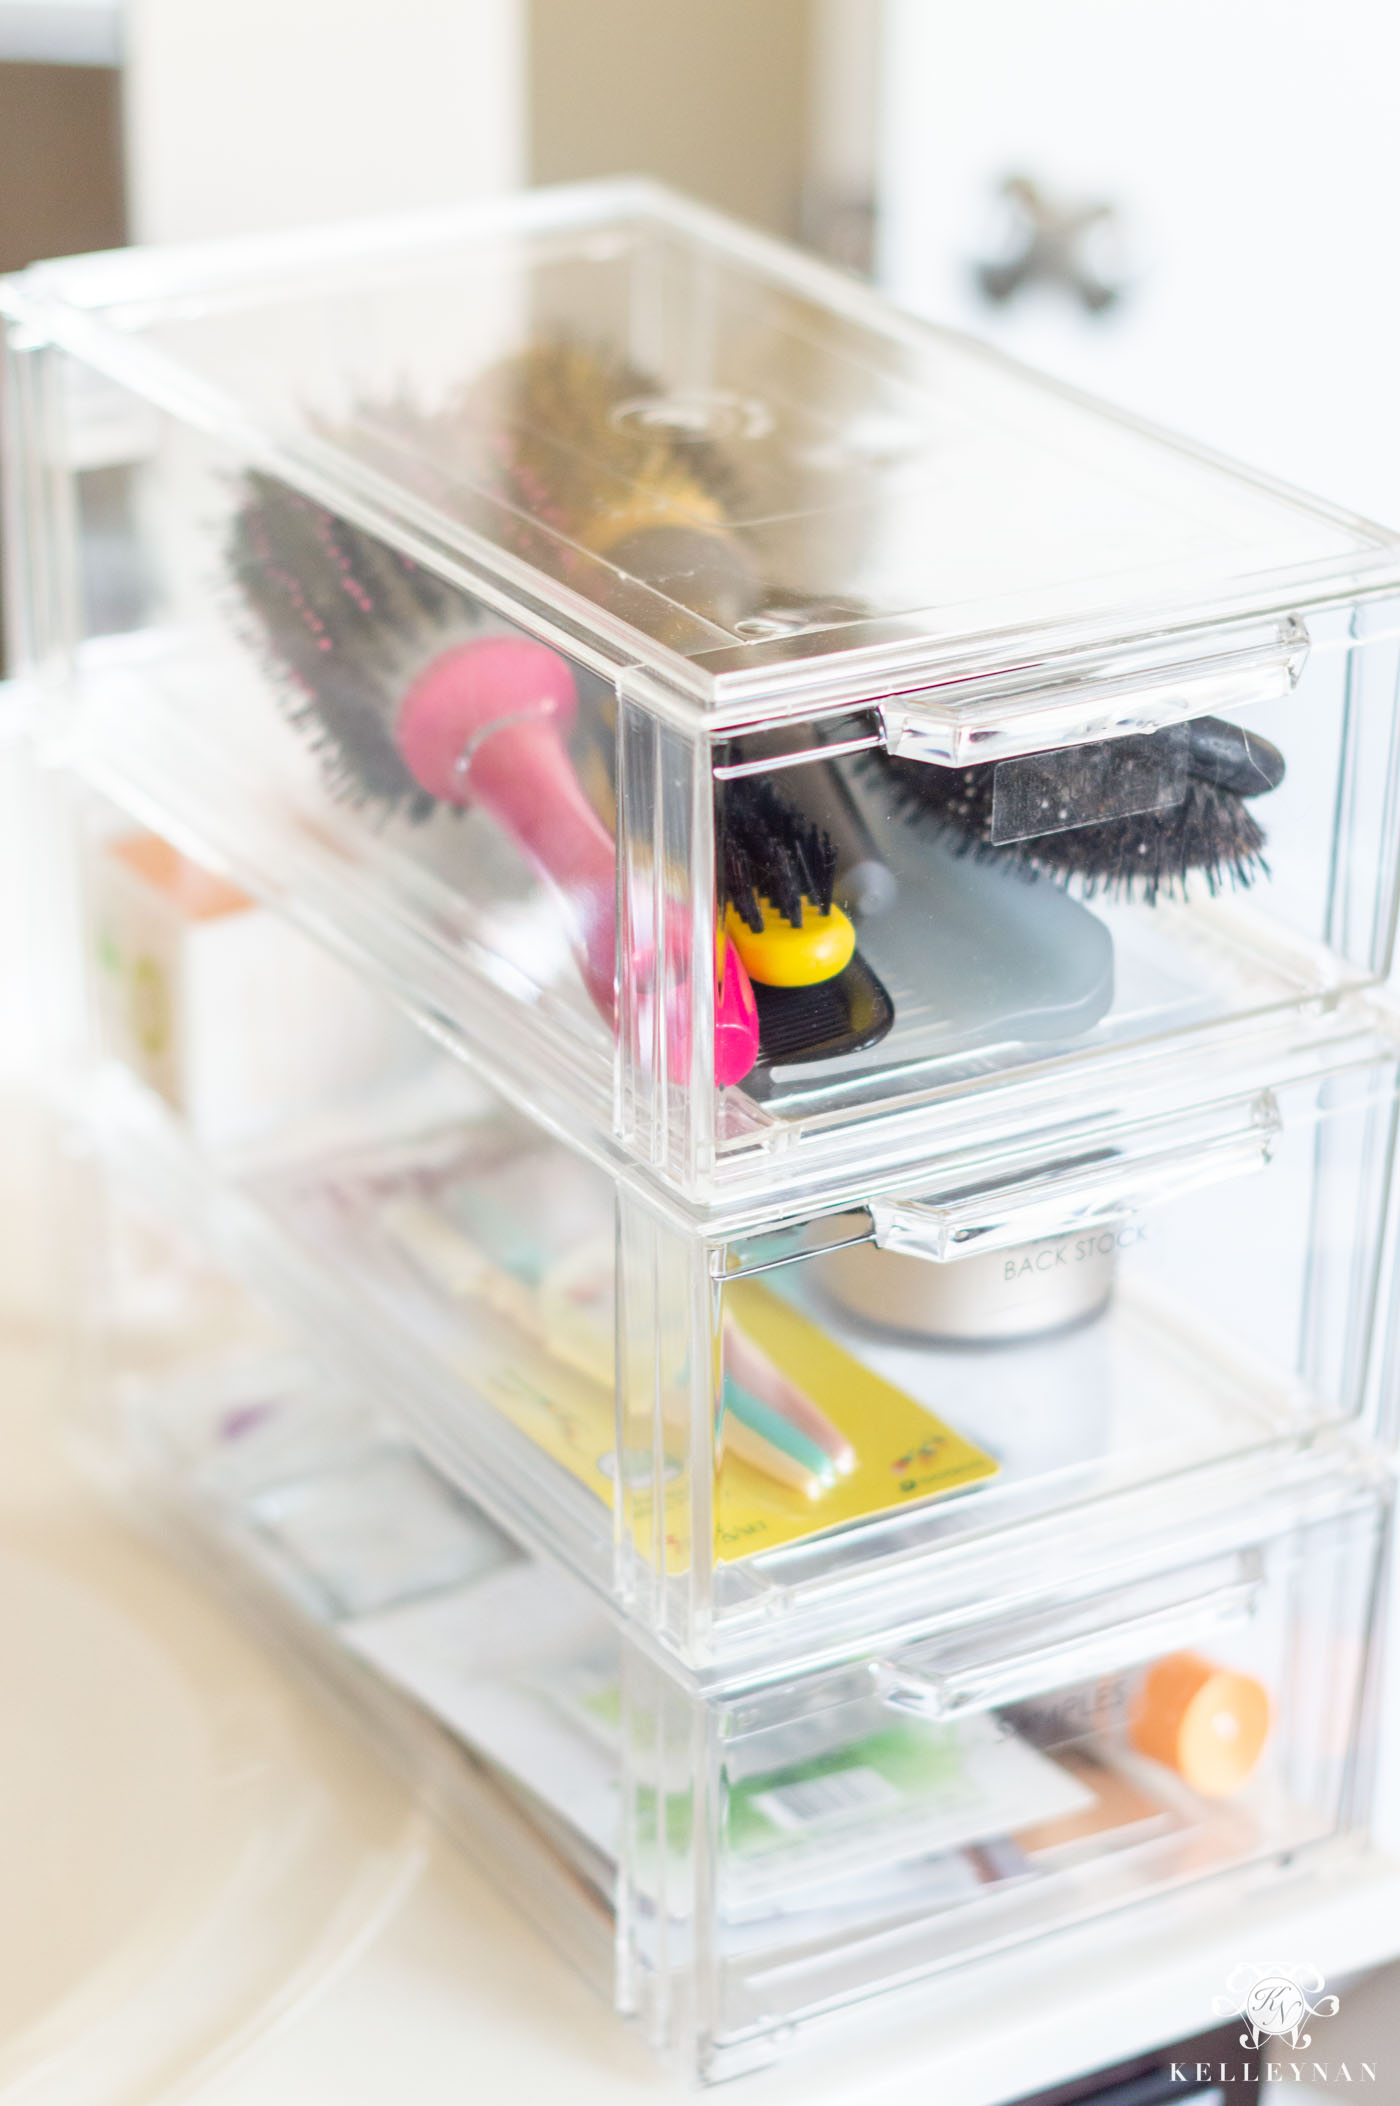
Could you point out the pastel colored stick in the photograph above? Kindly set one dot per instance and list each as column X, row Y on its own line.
column 755, row 1372
column 762, row 1437
column 453, row 1262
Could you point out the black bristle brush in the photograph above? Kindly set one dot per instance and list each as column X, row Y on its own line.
column 347, row 621
column 603, row 490
column 771, row 852
column 777, row 876
column 395, row 680
column 1206, row 828
column 592, row 477
column 392, row 680
column 412, row 701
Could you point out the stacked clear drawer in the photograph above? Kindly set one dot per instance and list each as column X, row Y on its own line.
column 854, row 1402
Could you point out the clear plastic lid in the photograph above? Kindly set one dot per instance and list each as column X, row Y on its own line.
column 701, row 453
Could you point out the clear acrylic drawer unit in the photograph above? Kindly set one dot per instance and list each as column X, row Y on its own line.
column 768, row 1444
column 730, row 1866
column 742, row 719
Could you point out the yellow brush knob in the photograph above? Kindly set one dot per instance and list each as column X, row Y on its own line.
column 780, row 955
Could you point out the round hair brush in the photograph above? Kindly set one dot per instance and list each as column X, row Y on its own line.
column 411, row 703
column 597, row 463
column 1205, row 825
column 486, row 724
column 342, row 616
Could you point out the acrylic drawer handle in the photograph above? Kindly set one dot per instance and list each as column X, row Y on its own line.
column 996, row 716
column 969, row 721
column 933, row 1693
column 1157, row 1161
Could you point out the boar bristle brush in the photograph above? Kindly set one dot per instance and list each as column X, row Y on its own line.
column 1208, row 830
column 340, row 615
column 770, row 851
column 610, row 491
column 816, row 997
column 411, row 701
column 411, row 704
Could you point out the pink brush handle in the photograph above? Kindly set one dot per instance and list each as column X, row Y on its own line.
column 485, row 724
column 736, row 1019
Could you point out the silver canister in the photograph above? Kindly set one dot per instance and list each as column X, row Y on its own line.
column 992, row 1297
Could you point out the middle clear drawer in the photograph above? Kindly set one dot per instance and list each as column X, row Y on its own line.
column 762, row 1441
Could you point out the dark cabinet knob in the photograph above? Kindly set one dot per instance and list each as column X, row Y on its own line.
column 1048, row 241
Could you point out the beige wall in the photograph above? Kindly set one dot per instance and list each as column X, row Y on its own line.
column 711, row 96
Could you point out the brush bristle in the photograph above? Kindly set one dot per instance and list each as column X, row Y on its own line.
column 836, row 1017
column 1210, row 832
column 349, row 621
column 341, row 615
column 769, row 850
column 555, row 422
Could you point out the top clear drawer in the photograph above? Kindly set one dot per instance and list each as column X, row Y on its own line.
column 738, row 716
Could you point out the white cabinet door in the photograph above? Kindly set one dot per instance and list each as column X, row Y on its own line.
column 1251, row 150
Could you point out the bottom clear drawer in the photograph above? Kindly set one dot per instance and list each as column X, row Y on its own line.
column 730, row 1863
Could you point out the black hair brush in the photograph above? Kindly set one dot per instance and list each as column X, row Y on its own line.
column 1174, row 803
column 584, row 465
column 413, row 702
column 347, row 621
column 815, row 995
column 563, row 452
column 772, row 856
